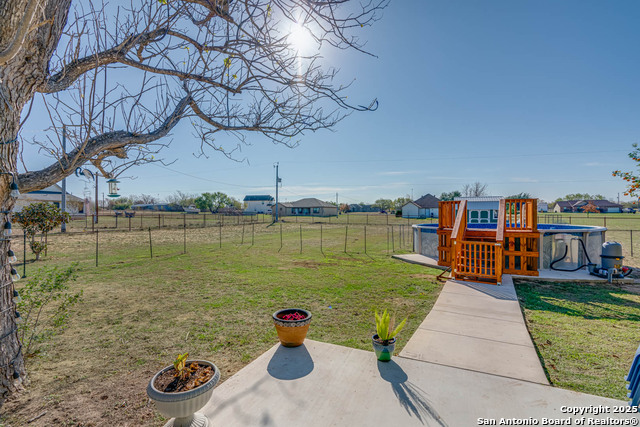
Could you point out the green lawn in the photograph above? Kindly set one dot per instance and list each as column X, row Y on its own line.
column 216, row 303
column 586, row 335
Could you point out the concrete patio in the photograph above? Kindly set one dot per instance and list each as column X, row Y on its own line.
column 470, row 362
column 321, row 384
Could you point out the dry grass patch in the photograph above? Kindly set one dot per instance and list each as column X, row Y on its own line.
column 138, row 313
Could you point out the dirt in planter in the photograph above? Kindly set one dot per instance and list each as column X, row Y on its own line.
column 168, row 382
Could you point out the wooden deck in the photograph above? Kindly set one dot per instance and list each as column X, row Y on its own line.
column 486, row 254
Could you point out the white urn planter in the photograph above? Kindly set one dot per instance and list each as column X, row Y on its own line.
column 183, row 405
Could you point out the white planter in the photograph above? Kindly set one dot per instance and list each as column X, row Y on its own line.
column 183, row 406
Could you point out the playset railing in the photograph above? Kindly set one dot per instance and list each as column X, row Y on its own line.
column 478, row 261
column 485, row 254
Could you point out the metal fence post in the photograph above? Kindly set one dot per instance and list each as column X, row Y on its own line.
column 387, row 239
column 365, row 238
column 300, row 238
column 242, row 242
column 96, row 248
column 150, row 244
column 346, row 231
column 393, row 241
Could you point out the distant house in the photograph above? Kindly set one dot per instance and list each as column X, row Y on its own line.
column 425, row 207
column 361, row 207
column 543, row 207
column 307, row 207
column 603, row 206
column 260, row 204
column 482, row 210
column 158, row 207
column 51, row 194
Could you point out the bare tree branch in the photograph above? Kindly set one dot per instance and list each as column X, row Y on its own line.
column 107, row 144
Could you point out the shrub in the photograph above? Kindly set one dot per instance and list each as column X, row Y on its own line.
column 45, row 306
column 40, row 218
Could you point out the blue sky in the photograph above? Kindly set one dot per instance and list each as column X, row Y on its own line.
column 534, row 96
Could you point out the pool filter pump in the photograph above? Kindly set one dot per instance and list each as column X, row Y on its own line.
column 611, row 260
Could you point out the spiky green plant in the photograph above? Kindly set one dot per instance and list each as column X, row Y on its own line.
column 180, row 365
column 384, row 327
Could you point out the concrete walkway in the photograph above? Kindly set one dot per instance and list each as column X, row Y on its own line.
column 478, row 327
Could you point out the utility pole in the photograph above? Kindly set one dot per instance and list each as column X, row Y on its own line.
column 63, row 201
column 278, row 180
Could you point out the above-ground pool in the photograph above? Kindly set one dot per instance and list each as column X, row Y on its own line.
column 554, row 238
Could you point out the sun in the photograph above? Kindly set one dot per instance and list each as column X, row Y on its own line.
column 301, row 39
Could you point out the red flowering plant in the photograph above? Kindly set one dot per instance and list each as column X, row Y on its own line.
column 633, row 180
column 294, row 316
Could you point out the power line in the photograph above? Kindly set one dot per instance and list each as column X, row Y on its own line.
column 207, row 179
column 469, row 156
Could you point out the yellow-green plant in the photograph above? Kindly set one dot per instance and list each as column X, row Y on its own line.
column 180, row 365
column 384, row 327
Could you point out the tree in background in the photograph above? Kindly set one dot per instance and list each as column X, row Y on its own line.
column 122, row 75
column 521, row 196
column 446, row 197
column 344, row 208
column 477, row 189
column 121, row 203
column 383, row 204
column 400, row 202
column 39, row 219
column 212, row 201
column 235, row 203
column 144, row 199
column 181, row 199
column 581, row 196
column 633, row 181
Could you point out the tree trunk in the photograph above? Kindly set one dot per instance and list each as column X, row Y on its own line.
column 23, row 68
